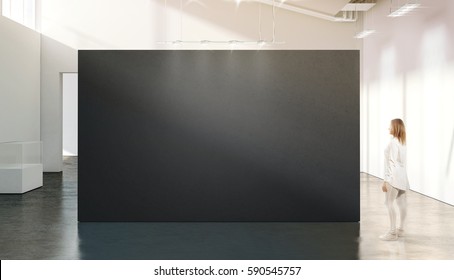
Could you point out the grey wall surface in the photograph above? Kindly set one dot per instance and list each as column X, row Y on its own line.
column 218, row 135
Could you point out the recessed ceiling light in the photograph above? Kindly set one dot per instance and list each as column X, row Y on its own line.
column 364, row 34
column 405, row 9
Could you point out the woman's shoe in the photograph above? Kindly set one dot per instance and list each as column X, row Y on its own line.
column 400, row 232
column 389, row 236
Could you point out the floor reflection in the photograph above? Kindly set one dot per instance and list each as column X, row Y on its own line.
column 40, row 224
column 218, row 241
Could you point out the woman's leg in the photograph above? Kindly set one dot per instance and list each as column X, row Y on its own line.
column 391, row 196
column 401, row 201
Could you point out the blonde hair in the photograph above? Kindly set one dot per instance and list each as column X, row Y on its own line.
column 398, row 130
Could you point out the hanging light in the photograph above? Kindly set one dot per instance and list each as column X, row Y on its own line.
column 231, row 43
column 261, row 43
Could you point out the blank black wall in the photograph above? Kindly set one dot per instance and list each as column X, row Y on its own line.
column 198, row 135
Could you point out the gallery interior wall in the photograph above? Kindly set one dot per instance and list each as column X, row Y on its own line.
column 56, row 58
column 70, row 25
column 69, row 84
column 221, row 135
column 408, row 68
column 19, row 82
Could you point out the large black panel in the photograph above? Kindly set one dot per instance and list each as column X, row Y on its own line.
column 196, row 135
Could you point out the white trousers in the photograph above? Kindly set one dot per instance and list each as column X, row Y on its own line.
column 400, row 197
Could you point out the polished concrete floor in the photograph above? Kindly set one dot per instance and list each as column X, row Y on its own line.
column 42, row 224
column 429, row 232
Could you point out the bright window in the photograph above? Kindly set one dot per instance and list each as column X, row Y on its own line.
column 21, row 11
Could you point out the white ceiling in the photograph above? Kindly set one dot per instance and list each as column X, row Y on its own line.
column 330, row 7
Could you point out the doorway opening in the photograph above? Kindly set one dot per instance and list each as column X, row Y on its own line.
column 70, row 108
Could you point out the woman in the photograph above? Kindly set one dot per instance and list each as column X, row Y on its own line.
column 396, row 181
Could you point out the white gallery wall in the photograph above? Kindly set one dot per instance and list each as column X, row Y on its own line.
column 69, row 25
column 19, row 82
column 56, row 58
column 70, row 112
column 408, row 73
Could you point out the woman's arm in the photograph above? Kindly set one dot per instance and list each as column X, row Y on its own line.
column 392, row 162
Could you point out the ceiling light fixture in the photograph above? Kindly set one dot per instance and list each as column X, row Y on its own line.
column 405, row 9
column 232, row 43
column 364, row 34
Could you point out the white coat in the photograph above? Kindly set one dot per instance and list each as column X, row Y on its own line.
column 396, row 165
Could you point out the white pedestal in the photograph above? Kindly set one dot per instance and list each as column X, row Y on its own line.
column 20, row 178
